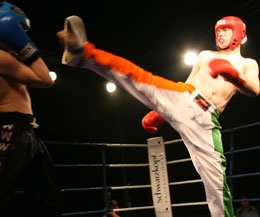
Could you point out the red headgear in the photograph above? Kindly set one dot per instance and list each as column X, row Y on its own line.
column 238, row 28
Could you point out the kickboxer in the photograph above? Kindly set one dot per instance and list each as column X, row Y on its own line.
column 193, row 107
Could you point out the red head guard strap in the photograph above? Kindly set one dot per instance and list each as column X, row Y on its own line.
column 238, row 28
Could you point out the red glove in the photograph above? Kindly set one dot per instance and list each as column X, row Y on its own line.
column 226, row 70
column 150, row 121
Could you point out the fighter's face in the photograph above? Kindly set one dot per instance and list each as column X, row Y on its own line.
column 223, row 37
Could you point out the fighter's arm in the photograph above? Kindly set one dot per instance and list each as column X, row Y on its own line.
column 251, row 85
column 29, row 69
column 247, row 82
column 35, row 75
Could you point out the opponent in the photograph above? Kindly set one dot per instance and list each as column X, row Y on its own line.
column 193, row 107
column 22, row 154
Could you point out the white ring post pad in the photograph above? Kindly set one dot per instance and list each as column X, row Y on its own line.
column 159, row 177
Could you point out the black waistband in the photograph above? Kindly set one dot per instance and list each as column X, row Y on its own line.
column 16, row 118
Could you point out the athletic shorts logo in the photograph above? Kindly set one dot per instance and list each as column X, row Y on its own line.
column 6, row 133
column 202, row 102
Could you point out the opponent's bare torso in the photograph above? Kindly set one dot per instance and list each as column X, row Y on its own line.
column 14, row 97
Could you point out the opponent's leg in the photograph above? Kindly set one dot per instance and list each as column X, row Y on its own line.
column 15, row 158
column 41, row 186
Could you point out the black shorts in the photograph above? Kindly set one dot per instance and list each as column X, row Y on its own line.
column 24, row 158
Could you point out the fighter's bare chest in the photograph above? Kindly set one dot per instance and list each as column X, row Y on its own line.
column 236, row 60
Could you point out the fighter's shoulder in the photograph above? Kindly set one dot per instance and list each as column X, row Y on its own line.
column 205, row 54
column 251, row 65
column 250, row 61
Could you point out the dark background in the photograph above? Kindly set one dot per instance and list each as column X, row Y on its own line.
column 154, row 35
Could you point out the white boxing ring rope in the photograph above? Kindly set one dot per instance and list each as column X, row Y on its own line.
column 230, row 176
column 127, row 187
